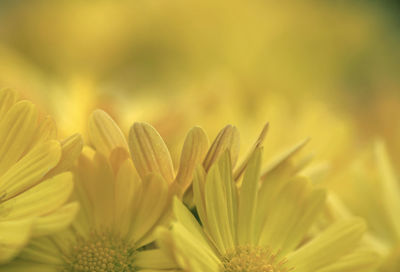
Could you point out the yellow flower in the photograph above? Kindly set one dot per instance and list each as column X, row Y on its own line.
column 261, row 226
column 34, row 184
column 120, row 207
column 373, row 180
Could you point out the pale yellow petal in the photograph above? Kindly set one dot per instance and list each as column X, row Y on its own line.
column 151, row 208
column 127, row 196
column 361, row 260
column 227, row 139
column 30, row 169
column 327, row 248
column 55, row 221
column 14, row 235
column 104, row 133
column 248, row 200
column 192, row 255
column 282, row 164
column 389, row 185
column 41, row 199
column 199, row 195
column 193, row 153
column 153, row 259
column 260, row 140
column 292, row 212
column 8, row 98
column 71, row 148
column 16, row 130
column 149, row 152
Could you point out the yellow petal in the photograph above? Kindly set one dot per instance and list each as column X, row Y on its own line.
column 248, row 200
column 361, row 260
column 328, row 247
column 8, row 98
column 41, row 199
column 71, row 148
column 128, row 192
column 389, row 185
column 289, row 215
column 198, row 194
column 43, row 250
column 16, row 130
column 154, row 259
column 227, row 139
column 192, row 255
column 55, row 221
column 149, row 152
column 282, row 164
column 150, row 211
column 104, row 133
column 240, row 169
column 193, row 152
column 30, row 169
column 14, row 235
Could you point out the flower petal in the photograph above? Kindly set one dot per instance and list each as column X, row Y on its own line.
column 30, row 169
column 327, row 248
column 193, row 153
column 16, row 130
column 40, row 199
column 14, row 235
column 149, row 152
column 104, row 133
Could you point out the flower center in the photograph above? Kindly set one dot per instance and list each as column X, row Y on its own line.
column 101, row 253
column 253, row 259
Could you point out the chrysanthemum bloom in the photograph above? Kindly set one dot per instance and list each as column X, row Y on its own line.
column 373, row 178
column 34, row 184
column 261, row 227
column 120, row 207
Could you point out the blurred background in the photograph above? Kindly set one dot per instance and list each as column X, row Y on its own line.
column 329, row 70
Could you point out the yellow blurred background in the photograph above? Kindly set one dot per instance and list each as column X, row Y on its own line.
column 329, row 70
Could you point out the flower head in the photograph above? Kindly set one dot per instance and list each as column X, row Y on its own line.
column 120, row 208
column 262, row 225
column 34, row 184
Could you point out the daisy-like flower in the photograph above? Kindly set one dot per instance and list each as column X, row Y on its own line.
column 34, row 184
column 373, row 178
column 261, row 227
column 120, row 207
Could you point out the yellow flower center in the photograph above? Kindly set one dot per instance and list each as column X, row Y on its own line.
column 101, row 253
column 253, row 259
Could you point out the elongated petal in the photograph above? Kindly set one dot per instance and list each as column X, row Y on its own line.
column 329, row 246
column 152, row 206
column 390, row 186
column 8, row 98
column 193, row 152
column 282, row 165
column 290, row 215
column 362, row 259
column 16, row 130
column 55, row 221
column 30, row 169
column 260, row 140
column 13, row 237
column 248, row 200
column 149, row 152
column 197, row 257
column 199, row 194
column 40, row 199
column 154, row 259
column 104, row 133
column 127, row 196
column 227, row 139
column 71, row 148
